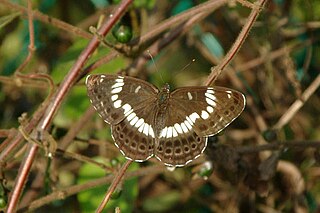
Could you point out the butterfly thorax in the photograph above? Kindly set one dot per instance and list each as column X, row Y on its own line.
column 161, row 108
column 164, row 95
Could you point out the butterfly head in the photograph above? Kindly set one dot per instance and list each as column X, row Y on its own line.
column 166, row 88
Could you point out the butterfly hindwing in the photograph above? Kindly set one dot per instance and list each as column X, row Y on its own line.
column 134, row 135
column 178, row 143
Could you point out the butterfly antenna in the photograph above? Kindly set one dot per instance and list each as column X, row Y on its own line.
column 154, row 63
column 185, row 67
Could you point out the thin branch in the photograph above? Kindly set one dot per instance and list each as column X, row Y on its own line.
column 114, row 185
column 21, row 179
column 216, row 71
column 295, row 107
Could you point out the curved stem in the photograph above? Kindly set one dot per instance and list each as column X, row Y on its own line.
column 114, row 185
column 237, row 44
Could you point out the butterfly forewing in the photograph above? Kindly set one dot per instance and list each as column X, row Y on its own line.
column 208, row 109
column 127, row 104
column 114, row 97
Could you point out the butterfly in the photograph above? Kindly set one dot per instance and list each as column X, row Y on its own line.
column 172, row 126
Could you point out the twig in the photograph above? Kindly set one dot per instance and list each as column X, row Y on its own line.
column 21, row 179
column 114, row 185
column 39, row 76
column 216, row 71
column 294, row 108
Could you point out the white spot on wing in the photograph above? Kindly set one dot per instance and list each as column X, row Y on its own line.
column 210, row 109
column 211, row 96
column 174, row 132
column 137, row 89
column 139, row 123
column 204, row 115
column 178, row 128
column 134, row 120
column 210, row 90
column 87, row 78
column 118, row 84
column 184, row 128
column 189, row 96
column 188, row 124
column 189, row 120
column 101, row 80
column 120, row 80
column 101, row 102
column 114, row 97
column 126, row 108
column 163, row 132
column 211, row 102
column 169, row 132
column 141, row 127
column 116, row 90
column 151, row 131
column 229, row 96
column 128, row 113
column 117, row 104
column 119, row 76
column 131, row 116
column 194, row 116
column 146, row 129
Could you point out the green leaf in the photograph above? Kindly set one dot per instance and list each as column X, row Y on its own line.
column 162, row 203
